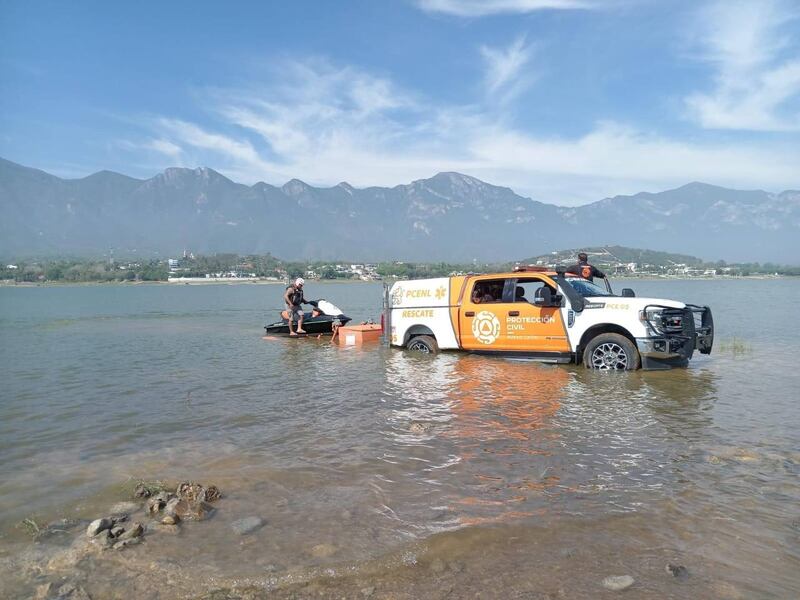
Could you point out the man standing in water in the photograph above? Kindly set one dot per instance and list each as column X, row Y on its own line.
column 294, row 298
column 585, row 270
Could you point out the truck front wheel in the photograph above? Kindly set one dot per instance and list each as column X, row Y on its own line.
column 611, row 351
column 423, row 343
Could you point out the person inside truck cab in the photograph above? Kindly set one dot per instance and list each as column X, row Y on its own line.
column 480, row 295
column 519, row 294
column 585, row 270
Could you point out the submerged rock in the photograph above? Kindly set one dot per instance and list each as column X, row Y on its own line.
column 678, row 571
column 134, row 531
column 189, row 490
column 103, row 539
column 163, row 497
column 213, row 494
column 161, row 528
column 72, row 592
column 154, row 505
column 170, row 519
column 141, row 491
column 126, row 542
column 98, row 525
column 419, row 427
column 117, row 531
column 195, row 511
column 63, row 524
column 247, row 525
column 196, row 492
column 124, row 508
column 617, row 583
column 323, row 550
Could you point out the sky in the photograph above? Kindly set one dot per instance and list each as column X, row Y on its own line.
column 564, row 101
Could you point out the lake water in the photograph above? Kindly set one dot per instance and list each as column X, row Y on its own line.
column 383, row 474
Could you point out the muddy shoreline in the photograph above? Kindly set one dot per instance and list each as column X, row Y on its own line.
column 570, row 558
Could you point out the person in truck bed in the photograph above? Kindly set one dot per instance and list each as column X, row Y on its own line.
column 584, row 269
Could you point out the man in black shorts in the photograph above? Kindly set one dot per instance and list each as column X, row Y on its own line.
column 293, row 299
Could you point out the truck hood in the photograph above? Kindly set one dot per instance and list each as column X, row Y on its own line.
column 636, row 303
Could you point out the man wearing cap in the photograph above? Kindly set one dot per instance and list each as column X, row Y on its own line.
column 585, row 270
column 294, row 298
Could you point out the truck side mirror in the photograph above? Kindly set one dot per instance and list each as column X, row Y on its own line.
column 628, row 293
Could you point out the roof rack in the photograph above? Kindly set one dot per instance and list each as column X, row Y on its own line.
column 530, row 269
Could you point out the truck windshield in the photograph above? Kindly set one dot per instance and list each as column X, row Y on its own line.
column 586, row 288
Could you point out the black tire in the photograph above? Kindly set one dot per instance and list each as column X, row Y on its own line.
column 611, row 351
column 424, row 344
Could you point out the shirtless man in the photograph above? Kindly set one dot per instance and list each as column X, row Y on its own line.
column 293, row 299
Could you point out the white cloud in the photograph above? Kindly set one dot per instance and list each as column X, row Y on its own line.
column 164, row 147
column 506, row 76
column 757, row 80
column 193, row 135
column 158, row 145
column 325, row 124
column 613, row 159
column 481, row 8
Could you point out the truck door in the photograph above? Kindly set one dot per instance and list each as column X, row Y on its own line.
column 532, row 328
column 514, row 323
column 480, row 313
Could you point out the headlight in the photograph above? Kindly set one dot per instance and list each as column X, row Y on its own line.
column 663, row 321
column 651, row 317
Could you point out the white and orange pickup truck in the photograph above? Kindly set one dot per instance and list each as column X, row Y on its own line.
column 546, row 315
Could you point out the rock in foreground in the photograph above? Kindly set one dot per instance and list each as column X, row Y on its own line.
column 99, row 525
column 247, row 525
column 617, row 583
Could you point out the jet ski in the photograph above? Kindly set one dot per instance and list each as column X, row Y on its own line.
column 320, row 320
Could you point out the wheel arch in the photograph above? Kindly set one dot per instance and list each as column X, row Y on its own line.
column 416, row 330
column 599, row 329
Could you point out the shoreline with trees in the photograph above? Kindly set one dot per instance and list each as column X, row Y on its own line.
column 234, row 268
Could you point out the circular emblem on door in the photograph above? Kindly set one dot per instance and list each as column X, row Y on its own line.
column 486, row 327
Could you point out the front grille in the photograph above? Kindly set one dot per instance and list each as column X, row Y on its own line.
column 672, row 321
column 688, row 323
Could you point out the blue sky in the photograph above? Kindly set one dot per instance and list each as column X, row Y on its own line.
column 566, row 101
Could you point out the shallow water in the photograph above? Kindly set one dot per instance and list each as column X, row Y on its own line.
column 372, row 468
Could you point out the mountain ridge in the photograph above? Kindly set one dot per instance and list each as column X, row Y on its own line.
column 449, row 216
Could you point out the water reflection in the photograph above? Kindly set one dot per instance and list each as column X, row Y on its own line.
column 524, row 438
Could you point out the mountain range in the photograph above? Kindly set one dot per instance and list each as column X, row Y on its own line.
column 448, row 217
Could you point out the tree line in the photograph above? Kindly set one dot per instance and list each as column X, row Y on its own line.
column 116, row 270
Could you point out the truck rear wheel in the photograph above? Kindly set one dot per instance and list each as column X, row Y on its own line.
column 611, row 351
column 423, row 343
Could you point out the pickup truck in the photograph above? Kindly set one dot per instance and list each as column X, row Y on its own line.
column 545, row 315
